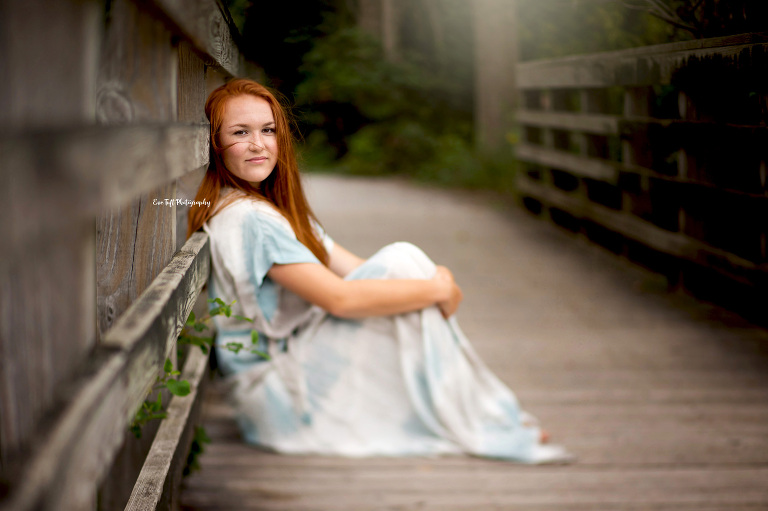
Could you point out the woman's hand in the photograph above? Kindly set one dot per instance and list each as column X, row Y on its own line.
column 448, row 306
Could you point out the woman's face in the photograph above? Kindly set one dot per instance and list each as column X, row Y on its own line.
column 248, row 138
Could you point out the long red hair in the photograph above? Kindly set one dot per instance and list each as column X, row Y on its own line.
column 283, row 186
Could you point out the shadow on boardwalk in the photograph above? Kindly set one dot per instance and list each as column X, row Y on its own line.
column 663, row 399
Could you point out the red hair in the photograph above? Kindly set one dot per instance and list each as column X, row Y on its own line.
column 282, row 188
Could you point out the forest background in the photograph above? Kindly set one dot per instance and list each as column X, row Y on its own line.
column 362, row 112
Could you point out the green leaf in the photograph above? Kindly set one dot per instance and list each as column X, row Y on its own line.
column 191, row 318
column 234, row 347
column 199, row 327
column 260, row 353
column 254, row 337
column 178, row 387
column 243, row 318
column 168, row 367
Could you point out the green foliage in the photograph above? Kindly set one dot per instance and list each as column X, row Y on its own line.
column 555, row 28
column 707, row 18
column 195, row 450
column 237, row 9
column 369, row 116
column 152, row 410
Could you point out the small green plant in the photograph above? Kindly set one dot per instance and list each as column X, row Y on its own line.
column 154, row 409
column 195, row 450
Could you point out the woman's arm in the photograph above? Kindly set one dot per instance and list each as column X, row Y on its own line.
column 361, row 298
column 341, row 261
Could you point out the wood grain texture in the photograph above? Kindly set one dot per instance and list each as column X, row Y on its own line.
column 46, row 330
column 76, row 448
column 48, row 68
column 639, row 66
column 583, row 166
column 209, row 31
column 670, row 242
column 590, row 123
column 46, row 303
column 192, row 95
column 158, row 482
column 71, row 177
column 137, row 83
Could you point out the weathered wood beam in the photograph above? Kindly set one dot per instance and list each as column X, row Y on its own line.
column 589, row 123
column 649, row 65
column 86, row 170
column 674, row 243
column 584, row 166
column 204, row 25
column 159, row 478
column 77, row 446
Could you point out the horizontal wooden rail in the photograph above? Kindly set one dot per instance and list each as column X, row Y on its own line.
column 86, row 170
column 583, row 166
column 672, row 243
column 155, row 486
column 79, row 443
column 203, row 23
column 642, row 66
column 600, row 124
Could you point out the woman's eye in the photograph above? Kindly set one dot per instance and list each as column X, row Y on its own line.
column 241, row 132
column 271, row 131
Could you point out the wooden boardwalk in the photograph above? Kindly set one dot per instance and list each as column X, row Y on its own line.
column 663, row 399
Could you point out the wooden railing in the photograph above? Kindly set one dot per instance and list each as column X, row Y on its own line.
column 103, row 129
column 658, row 152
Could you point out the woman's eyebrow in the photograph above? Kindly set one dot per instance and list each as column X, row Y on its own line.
column 241, row 125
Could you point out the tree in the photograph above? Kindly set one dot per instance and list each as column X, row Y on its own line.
column 708, row 18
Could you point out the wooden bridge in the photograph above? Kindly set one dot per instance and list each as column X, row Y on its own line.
column 663, row 399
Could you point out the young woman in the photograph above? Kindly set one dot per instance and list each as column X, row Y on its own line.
column 365, row 356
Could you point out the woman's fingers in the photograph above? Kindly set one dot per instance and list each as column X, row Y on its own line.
column 450, row 306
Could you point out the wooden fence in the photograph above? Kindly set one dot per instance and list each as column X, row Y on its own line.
column 658, row 152
column 102, row 130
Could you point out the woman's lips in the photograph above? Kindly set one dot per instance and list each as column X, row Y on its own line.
column 259, row 159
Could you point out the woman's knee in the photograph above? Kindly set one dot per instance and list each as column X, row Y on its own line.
column 406, row 261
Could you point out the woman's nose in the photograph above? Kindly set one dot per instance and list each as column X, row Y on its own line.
column 256, row 142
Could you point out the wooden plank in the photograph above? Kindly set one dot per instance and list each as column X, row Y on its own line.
column 46, row 299
column 640, row 66
column 128, row 258
column 583, row 166
column 192, row 95
column 590, row 123
column 245, row 478
column 672, row 243
column 177, row 285
column 137, row 82
column 47, row 62
column 46, row 328
column 159, row 480
column 74, row 451
column 209, row 31
column 69, row 177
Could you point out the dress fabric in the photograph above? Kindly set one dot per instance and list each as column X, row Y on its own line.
column 407, row 384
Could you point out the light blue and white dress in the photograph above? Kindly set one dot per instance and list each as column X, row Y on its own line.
column 408, row 384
